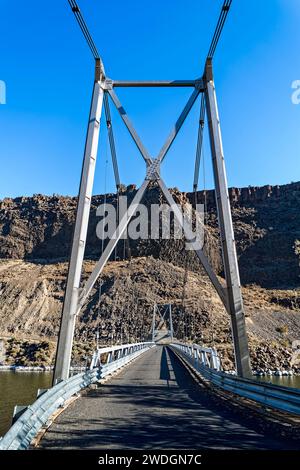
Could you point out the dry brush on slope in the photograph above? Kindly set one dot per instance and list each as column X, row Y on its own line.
column 32, row 297
column 35, row 236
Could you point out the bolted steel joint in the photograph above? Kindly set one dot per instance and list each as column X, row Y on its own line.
column 208, row 74
column 107, row 84
column 153, row 170
column 199, row 85
column 99, row 71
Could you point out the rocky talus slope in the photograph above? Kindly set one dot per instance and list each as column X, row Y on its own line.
column 35, row 236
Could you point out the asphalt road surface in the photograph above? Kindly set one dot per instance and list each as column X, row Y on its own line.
column 153, row 403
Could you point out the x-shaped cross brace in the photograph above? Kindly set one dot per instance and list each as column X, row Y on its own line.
column 167, row 309
column 152, row 174
column 231, row 295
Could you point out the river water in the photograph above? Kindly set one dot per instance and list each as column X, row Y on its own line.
column 293, row 381
column 20, row 388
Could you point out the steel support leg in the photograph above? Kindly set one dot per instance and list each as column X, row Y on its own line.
column 66, row 333
column 235, row 301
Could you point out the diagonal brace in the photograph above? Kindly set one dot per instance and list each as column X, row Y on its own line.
column 111, row 245
column 190, row 236
column 166, row 147
column 128, row 124
column 173, row 134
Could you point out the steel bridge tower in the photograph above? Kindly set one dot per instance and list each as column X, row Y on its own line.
column 104, row 88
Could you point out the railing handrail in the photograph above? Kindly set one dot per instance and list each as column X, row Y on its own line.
column 199, row 347
column 275, row 396
column 27, row 426
column 206, row 356
column 120, row 346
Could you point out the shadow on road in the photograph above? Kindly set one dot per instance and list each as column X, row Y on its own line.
column 164, row 366
column 167, row 411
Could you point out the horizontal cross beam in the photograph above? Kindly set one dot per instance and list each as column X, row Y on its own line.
column 158, row 83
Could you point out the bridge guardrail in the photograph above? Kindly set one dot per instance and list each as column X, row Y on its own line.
column 206, row 356
column 23, row 431
column 269, row 395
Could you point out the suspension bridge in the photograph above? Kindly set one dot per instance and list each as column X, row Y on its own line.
column 161, row 393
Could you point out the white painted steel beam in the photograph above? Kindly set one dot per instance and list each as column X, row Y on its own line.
column 66, row 333
column 234, row 293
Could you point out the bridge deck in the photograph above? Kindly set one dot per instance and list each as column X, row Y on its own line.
column 153, row 403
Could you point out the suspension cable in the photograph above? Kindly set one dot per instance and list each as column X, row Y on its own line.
column 199, row 143
column 86, row 33
column 105, row 203
column 183, row 297
column 113, row 157
column 204, row 188
column 111, row 141
column 219, row 27
column 212, row 49
column 84, row 28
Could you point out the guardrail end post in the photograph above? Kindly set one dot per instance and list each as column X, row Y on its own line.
column 18, row 411
column 41, row 391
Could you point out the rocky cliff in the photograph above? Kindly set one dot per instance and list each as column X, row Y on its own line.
column 35, row 236
column 266, row 222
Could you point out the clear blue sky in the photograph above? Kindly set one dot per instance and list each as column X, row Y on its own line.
column 48, row 70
